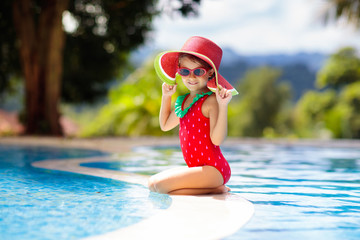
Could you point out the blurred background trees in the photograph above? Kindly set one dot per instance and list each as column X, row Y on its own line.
column 341, row 69
column 133, row 107
column 72, row 66
column 348, row 9
column 335, row 110
column 260, row 104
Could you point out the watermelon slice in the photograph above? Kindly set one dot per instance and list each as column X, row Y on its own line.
column 164, row 67
column 222, row 83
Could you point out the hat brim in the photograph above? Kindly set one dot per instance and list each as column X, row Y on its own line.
column 166, row 64
column 221, row 83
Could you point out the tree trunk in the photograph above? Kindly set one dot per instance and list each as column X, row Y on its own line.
column 41, row 40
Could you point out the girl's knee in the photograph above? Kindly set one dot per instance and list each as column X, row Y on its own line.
column 155, row 185
column 152, row 184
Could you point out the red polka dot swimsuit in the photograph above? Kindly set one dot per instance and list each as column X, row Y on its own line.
column 194, row 134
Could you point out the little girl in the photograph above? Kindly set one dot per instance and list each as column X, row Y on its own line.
column 202, row 116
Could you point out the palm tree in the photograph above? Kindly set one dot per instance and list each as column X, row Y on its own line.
column 349, row 9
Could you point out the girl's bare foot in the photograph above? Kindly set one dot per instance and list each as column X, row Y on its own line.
column 221, row 189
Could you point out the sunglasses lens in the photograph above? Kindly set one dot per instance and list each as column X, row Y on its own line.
column 199, row 72
column 184, row 72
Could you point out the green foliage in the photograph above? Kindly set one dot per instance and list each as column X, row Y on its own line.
column 335, row 120
column 96, row 52
column 9, row 59
column 342, row 68
column 261, row 102
column 133, row 107
column 310, row 112
column 333, row 113
column 329, row 114
column 350, row 100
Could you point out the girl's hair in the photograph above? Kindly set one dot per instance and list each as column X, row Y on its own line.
column 194, row 59
column 197, row 60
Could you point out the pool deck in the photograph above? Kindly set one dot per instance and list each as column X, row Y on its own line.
column 120, row 145
column 188, row 217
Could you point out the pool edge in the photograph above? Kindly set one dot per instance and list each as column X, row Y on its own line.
column 216, row 216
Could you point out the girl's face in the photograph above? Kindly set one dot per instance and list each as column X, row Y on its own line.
column 197, row 84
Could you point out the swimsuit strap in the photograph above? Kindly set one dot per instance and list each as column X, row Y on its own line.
column 179, row 102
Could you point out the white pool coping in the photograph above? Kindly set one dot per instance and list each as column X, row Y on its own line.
column 188, row 217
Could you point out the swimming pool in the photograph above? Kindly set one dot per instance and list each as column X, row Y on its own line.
column 299, row 192
column 38, row 204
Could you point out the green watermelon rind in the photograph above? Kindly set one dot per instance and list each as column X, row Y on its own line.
column 233, row 90
column 161, row 73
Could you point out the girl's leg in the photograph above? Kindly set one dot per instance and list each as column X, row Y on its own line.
column 199, row 191
column 192, row 181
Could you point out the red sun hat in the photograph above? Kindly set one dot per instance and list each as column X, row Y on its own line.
column 166, row 63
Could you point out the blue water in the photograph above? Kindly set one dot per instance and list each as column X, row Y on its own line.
column 39, row 204
column 298, row 192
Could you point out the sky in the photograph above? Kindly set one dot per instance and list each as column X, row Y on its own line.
column 258, row 27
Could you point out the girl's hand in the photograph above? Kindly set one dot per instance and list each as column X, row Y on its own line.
column 168, row 90
column 223, row 96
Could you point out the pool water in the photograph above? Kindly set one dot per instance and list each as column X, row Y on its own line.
column 298, row 192
column 38, row 204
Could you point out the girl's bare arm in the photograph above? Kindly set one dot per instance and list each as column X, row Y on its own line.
column 218, row 116
column 167, row 117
